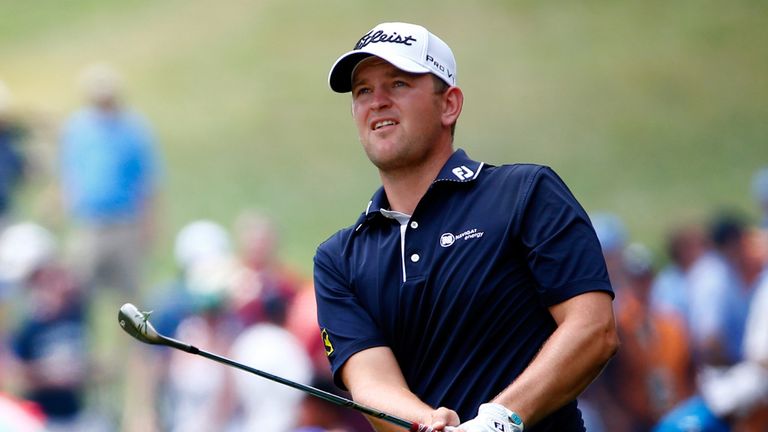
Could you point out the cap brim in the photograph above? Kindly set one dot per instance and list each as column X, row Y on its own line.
column 340, row 77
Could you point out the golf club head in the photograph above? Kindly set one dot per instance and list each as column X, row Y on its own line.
column 136, row 324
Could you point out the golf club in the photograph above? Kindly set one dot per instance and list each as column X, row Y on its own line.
column 136, row 324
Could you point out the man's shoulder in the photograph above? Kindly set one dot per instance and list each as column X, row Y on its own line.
column 335, row 244
column 518, row 169
column 515, row 176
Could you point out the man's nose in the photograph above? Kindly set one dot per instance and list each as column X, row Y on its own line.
column 381, row 99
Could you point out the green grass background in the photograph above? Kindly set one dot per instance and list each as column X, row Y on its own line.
column 654, row 110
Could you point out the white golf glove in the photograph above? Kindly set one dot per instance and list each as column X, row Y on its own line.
column 492, row 417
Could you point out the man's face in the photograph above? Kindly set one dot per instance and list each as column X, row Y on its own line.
column 398, row 114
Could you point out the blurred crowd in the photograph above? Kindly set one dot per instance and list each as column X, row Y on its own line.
column 693, row 330
column 64, row 363
column 692, row 319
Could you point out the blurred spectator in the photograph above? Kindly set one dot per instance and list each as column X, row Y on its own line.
column 278, row 307
column 195, row 243
column 22, row 248
column 199, row 395
column 612, row 235
column 599, row 402
column 735, row 395
column 685, row 245
column 301, row 321
column 192, row 306
column 267, row 346
column 650, row 372
column 317, row 415
column 267, row 278
column 740, row 390
column 721, row 284
column 51, row 341
column 758, row 238
column 109, row 170
column 12, row 163
column 756, row 353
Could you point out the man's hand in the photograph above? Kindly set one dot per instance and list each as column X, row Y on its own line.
column 442, row 419
column 493, row 417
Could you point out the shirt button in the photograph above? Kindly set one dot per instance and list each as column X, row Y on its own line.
column 414, row 224
column 415, row 258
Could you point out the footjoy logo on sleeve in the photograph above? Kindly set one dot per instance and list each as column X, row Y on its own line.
column 448, row 239
column 380, row 36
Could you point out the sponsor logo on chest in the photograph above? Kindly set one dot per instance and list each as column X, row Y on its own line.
column 448, row 239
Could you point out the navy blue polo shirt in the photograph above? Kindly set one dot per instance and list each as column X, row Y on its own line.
column 461, row 296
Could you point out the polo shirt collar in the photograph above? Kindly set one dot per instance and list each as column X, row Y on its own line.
column 459, row 168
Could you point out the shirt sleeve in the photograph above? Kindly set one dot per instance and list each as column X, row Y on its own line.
column 345, row 325
column 564, row 254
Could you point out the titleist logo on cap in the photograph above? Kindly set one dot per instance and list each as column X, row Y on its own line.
column 379, row 36
column 408, row 47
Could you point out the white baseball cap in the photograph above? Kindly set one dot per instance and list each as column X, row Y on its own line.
column 24, row 248
column 408, row 47
column 201, row 240
column 100, row 81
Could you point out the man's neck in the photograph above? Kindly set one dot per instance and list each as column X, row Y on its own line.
column 406, row 187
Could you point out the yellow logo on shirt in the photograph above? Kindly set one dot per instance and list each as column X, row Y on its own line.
column 327, row 342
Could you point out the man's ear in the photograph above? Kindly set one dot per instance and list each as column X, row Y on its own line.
column 453, row 101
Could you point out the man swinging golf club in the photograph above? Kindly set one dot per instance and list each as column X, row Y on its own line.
column 466, row 294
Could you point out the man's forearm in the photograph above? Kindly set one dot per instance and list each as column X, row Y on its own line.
column 568, row 362
column 393, row 400
column 374, row 379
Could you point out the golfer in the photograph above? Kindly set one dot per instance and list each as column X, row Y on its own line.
column 466, row 294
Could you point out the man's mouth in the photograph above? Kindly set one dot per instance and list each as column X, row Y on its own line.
column 382, row 123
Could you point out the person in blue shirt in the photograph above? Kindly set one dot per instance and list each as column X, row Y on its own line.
column 109, row 175
column 467, row 296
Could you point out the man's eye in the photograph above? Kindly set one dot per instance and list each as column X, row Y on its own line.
column 362, row 91
column 399, row 84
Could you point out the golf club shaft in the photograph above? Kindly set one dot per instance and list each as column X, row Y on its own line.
column 136, row 323
column 329, row 397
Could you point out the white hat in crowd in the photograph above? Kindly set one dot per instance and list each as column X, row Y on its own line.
column 24, row 248
column 201, row 240
column 408, row 47
column 100, row 81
